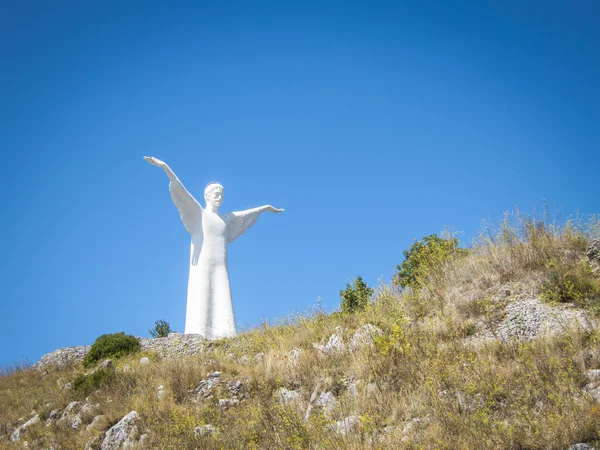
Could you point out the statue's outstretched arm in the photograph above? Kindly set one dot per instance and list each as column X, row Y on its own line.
column 262, row 209
column 189, row 209
column 240, row 221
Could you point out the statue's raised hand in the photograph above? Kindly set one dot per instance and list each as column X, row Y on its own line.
column 155, row 161
column 275, row 210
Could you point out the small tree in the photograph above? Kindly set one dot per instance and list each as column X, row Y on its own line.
column 424, row 258
column 355, row 298
column 161, row 329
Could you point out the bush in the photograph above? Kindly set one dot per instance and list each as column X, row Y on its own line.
column 161, row 329
column 424, row 258
column 355, row 298
column 87, row 384
column 111, row 346
column 578, row 286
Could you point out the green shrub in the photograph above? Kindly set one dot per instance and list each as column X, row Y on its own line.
column 578, row 286
column 424, row 258
column 86, row 384
column 161, row 329
column 355, row 298
column 111, row 346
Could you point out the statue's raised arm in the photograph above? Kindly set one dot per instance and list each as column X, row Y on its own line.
column 189, row 209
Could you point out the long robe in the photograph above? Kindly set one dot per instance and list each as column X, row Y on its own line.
column 209, row 309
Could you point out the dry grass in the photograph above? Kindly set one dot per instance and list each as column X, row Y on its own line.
column 418, row 386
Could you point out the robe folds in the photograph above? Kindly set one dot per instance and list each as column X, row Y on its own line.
column 209, row 310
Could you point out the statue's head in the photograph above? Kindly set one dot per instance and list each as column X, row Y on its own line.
column 213, row 193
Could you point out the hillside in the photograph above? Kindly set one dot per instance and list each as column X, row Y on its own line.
column 493, row 346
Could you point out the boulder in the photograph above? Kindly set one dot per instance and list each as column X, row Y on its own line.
column 123, row 434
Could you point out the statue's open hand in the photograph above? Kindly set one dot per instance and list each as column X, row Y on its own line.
column 155, row 161
column 275, row 210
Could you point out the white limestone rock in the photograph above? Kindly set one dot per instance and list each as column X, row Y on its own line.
column 106, row 364
column 327, row 401
column 16, row 435
column 347, row 425
column 235, row 388
column 71, row 407
column 582, row 446
column 144, row 361
column 63, row 357
column 52, row 417
column 593, row 253
column 528, row 319
column 123, row 434
column 204, row 430
column 294, row 355
column 593, row 375
column 364, row 336
column 285, row 396
column 205, row 387
column 335, row 344
column 69, row 414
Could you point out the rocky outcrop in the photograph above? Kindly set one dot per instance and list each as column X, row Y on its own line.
column 124, row 434
column 16, row 435
column 335, row 343
column 528, row 319
column 63, row 357
column 593, row 254
column 175, row 344
column 172, row 346
column 364, row 336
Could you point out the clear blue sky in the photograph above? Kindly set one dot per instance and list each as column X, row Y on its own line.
column 372, row 123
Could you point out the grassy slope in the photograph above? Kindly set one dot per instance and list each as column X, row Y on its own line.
column 493, row 395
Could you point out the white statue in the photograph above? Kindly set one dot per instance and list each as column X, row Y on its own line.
column 209, row 308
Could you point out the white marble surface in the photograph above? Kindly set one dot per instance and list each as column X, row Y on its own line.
column 209, row 310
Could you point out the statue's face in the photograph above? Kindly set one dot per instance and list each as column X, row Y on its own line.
column 214, row 196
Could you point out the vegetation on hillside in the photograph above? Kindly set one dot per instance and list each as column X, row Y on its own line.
column 425, row 381
column 161, row 329
column 113, row 345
